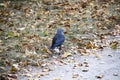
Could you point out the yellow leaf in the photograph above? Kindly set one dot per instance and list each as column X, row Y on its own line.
column 46, row 50
column 46, row 32
column 114, row 45
column 10, row 34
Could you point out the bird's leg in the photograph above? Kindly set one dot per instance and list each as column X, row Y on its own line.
column 60, row 50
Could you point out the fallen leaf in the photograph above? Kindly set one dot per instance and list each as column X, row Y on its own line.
column 10, row 34
column 24, row 63
column 45, row 56
column 77, row 65
column 28, row 75
column 43, row 73
column 14, row 68
column 46, row 69
column 83, row 52
column 46, row 50
column 90, row 45
column 114, row 45
column 66, row 54
column 99, row 76
column 1, row 31
column 85, row 70
column 46, row 32
column 12, row 76
column 4, row 4
column 75, row 75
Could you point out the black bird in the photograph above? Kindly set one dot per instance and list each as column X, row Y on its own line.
column 58, row 39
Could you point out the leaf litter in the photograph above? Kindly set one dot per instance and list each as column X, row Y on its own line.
column 27, row 28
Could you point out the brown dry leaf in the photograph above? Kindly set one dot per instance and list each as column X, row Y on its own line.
column 90, row 45
column 85, row 70
column 24, row 63
column 74, row 39
column 1, row 31
column 38, row 62
column 1, row 42
column 72, row 60
column 16, row 34
column 75, row 75
column 28, row 74
column 12, row 76
column 30, row 53
column 66, row 54
column 83, row 52
column 45, row 56
column 43, row 73
column 1, row 50
column 77, row 65
column 91, row 4
column 46, row 69
column 61, row 62
column 117, row 28
column 27, row 53
column 99, row 76
column 38, row 75
column 5, row 4
column 14, row 68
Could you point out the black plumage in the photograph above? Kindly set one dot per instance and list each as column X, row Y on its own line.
column 58, row 39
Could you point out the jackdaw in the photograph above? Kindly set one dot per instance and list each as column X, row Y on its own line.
column 58, row 39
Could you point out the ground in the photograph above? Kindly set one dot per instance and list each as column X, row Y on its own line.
column 91, row 49
column 78, row 67
column 105, row 66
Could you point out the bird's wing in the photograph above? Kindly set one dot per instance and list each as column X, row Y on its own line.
column 58, row 40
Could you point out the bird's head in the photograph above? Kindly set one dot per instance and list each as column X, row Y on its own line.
column 60, row 31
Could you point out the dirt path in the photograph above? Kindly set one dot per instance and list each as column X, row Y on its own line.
column 78, row 67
